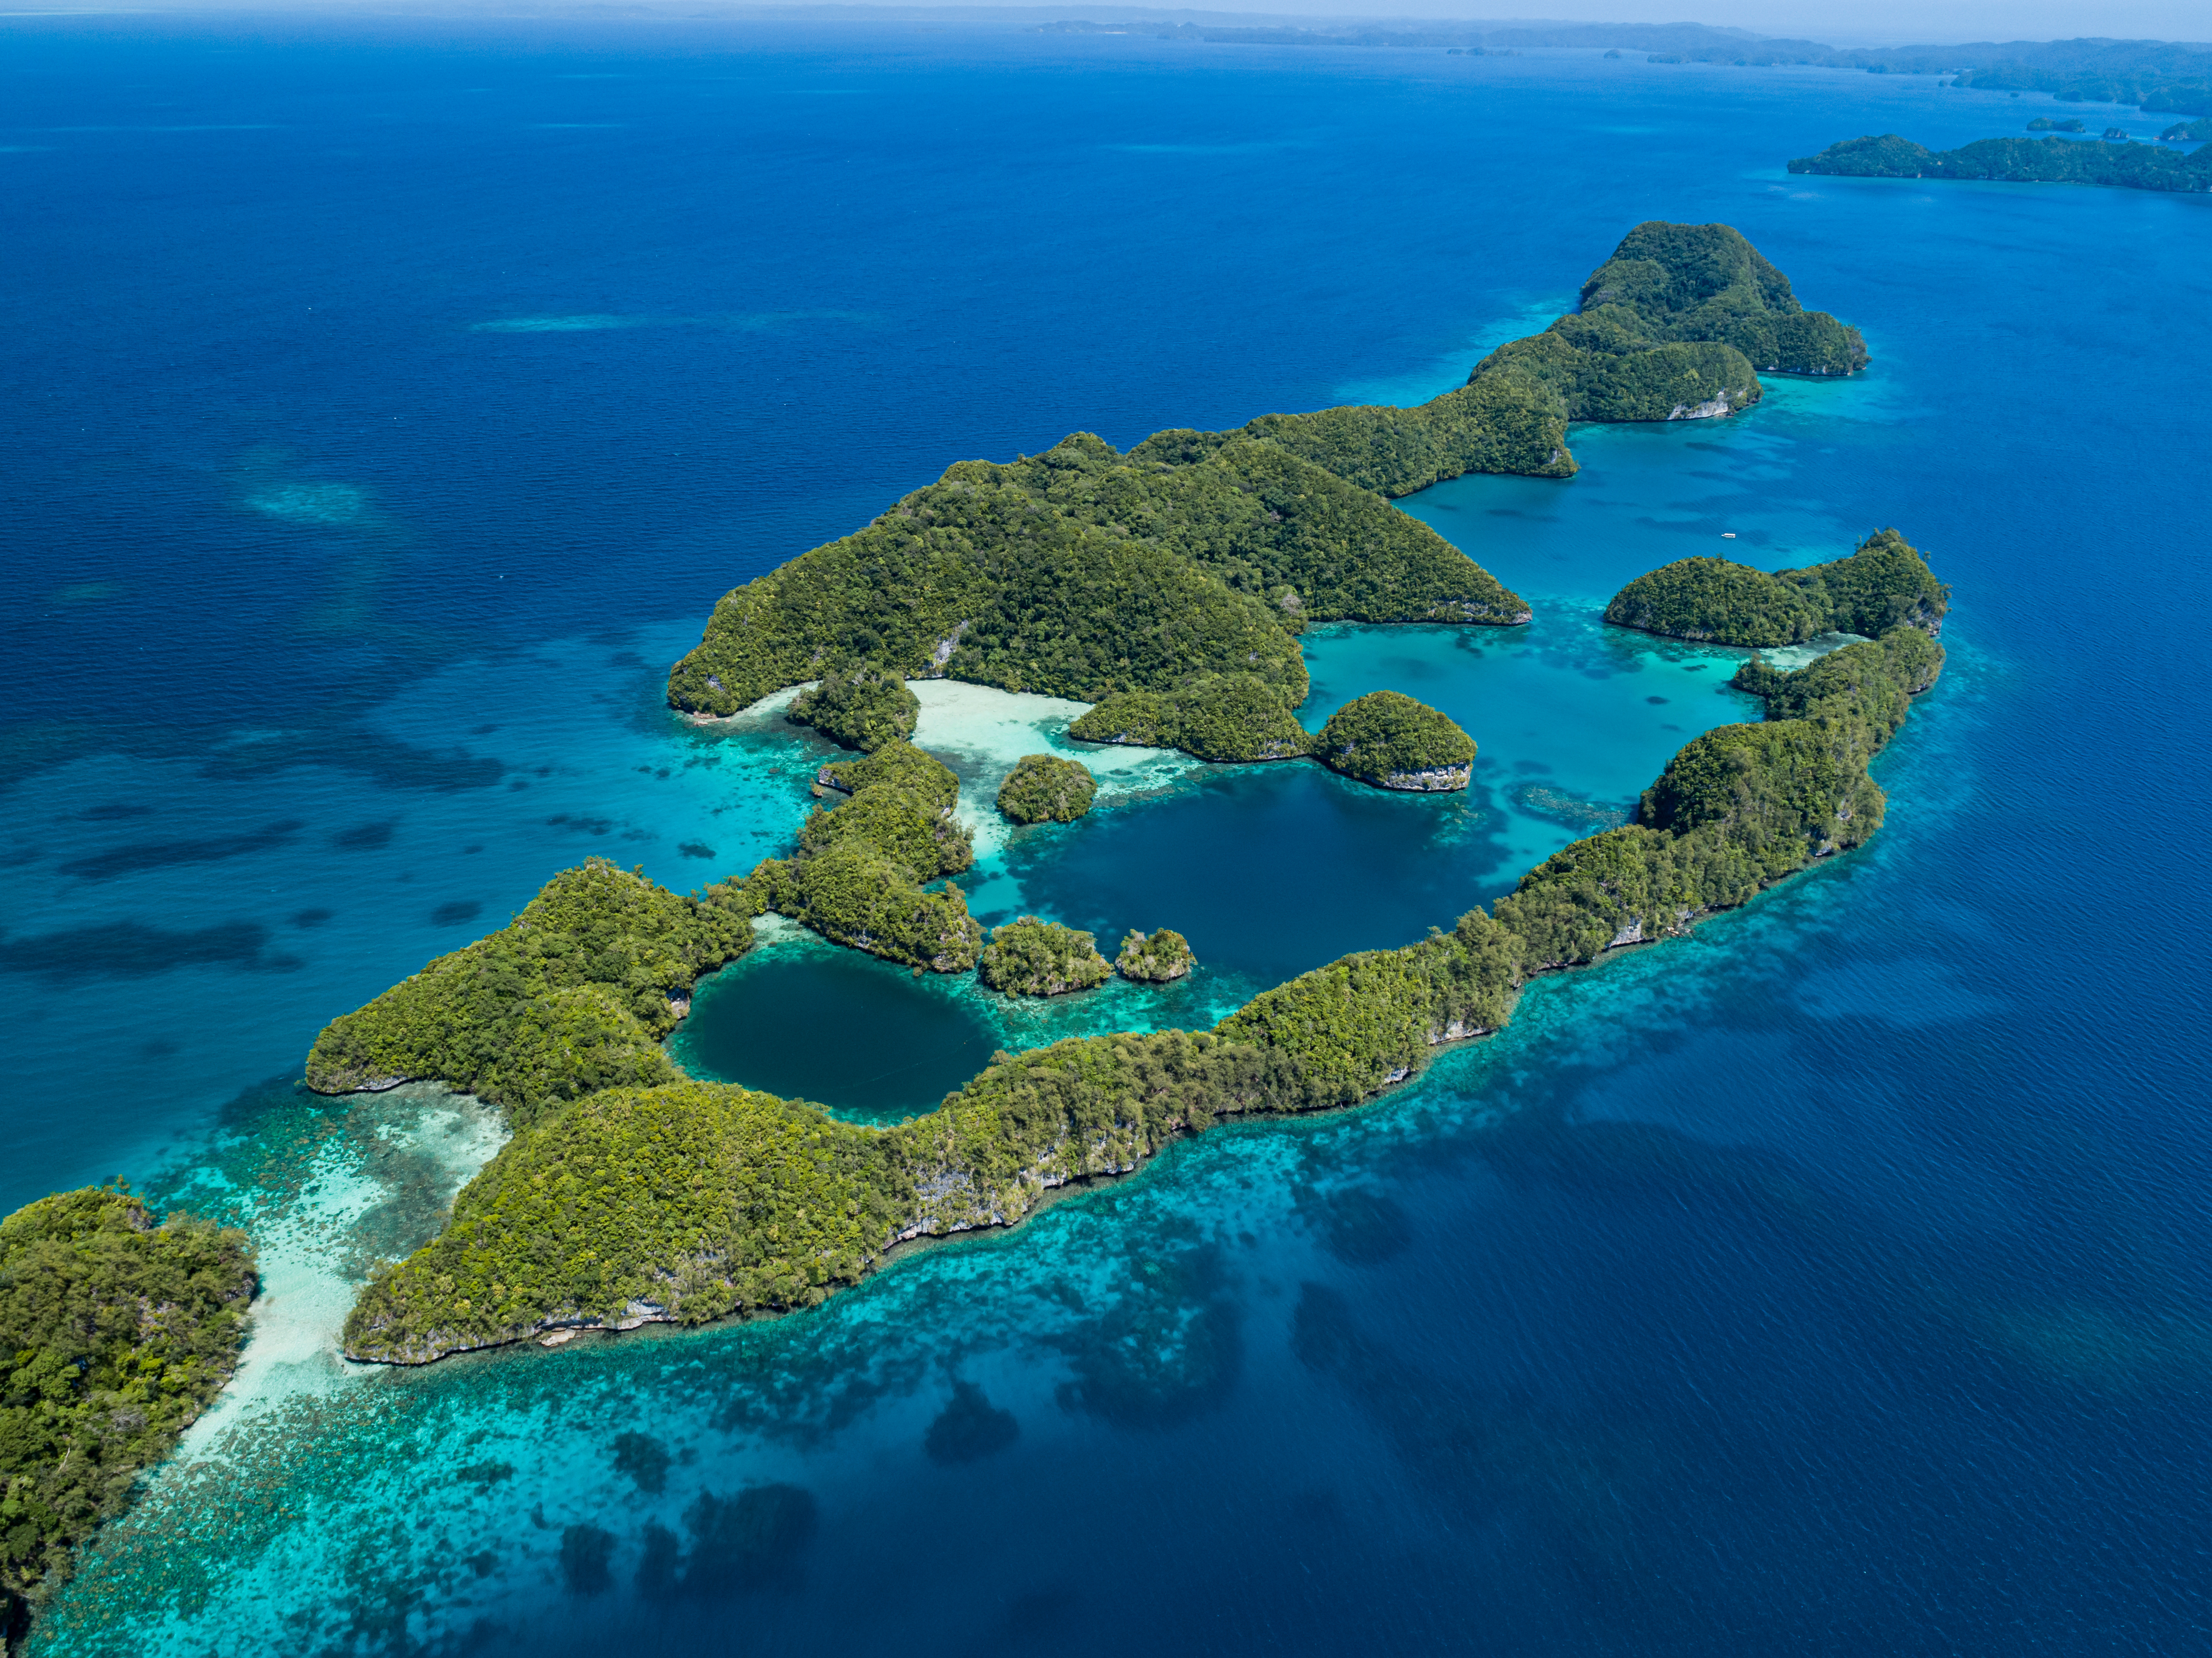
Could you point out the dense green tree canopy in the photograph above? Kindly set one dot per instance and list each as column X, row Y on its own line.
column 115, row 1333
column 1155, row 958
column 1032, row 958
column 572, row 996
column 1044, row 788
column 1883, row 584
column 861, row 706
column 689, row 1201
column 1674, row 325
column 921, row 774
column 1081, row 572
column 2016, row 161
column 1197, row 556
column 1234, row 717
column 1389, row 739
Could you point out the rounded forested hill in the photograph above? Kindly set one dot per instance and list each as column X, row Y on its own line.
column 1082, row 572
column 1155, row 958
column 1884, row 583
column 1715, row 600
column 1044, row 788
column 115, row 1334
column 1231, row 718
column 859, row 708
column 1032, row 958
column 574, row 995
column 1675, row 325
column 921, row 774
column 1389, row 739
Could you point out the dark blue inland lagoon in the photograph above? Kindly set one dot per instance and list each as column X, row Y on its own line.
column 388, row 402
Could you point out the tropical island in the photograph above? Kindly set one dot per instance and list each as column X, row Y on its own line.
column 1157, row 958
column 1044, row 788
column 1166, row 587
column 1884, row 583
column 1389, row 740
column 688, row 1201
column 115, row 1333
column 2016, row 161
column 1034, row 957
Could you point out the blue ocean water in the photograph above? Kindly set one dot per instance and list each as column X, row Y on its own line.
column 388, row 401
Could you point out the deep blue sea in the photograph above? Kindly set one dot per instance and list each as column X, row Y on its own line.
column 387, row 401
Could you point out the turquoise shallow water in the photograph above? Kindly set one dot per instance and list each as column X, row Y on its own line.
column 1834, row 1281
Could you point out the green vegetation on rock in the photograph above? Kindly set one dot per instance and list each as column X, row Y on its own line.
column 1233, row 718
column 2016, row 161
column 1183, row 570
column 1044, row 788
column 115, row 1333
column 921, row 774
column 1081, row 572
column 905, row 826
column 1030, row 957
column 572, row 996
column 1673, row 326
column 858, row 873
column 1363, row 1023
column 1738, row 809
column 2182, row 132
column 854, row 894
column 689, row 1201
column 1882, row 585
column 1393, row 741
column 861, row 707
column 1155, row 958
column 1495, row 427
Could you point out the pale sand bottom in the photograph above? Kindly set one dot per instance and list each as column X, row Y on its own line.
column 1791, row 658
column 363, row 1197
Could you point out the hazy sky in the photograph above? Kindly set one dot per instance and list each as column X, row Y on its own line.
column 1839, row 22
column 1851, row 21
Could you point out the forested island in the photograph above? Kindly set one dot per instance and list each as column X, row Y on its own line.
column 2158, row 74
column 688, row 1201
column 115, row 1333
column 2017, row 160
column 1389, row 740
column 1884, row 583
column 1044, row 788
column 1029, row 956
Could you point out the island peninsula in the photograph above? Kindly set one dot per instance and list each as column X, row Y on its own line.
column 2123, row 165
column 1171, row 584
